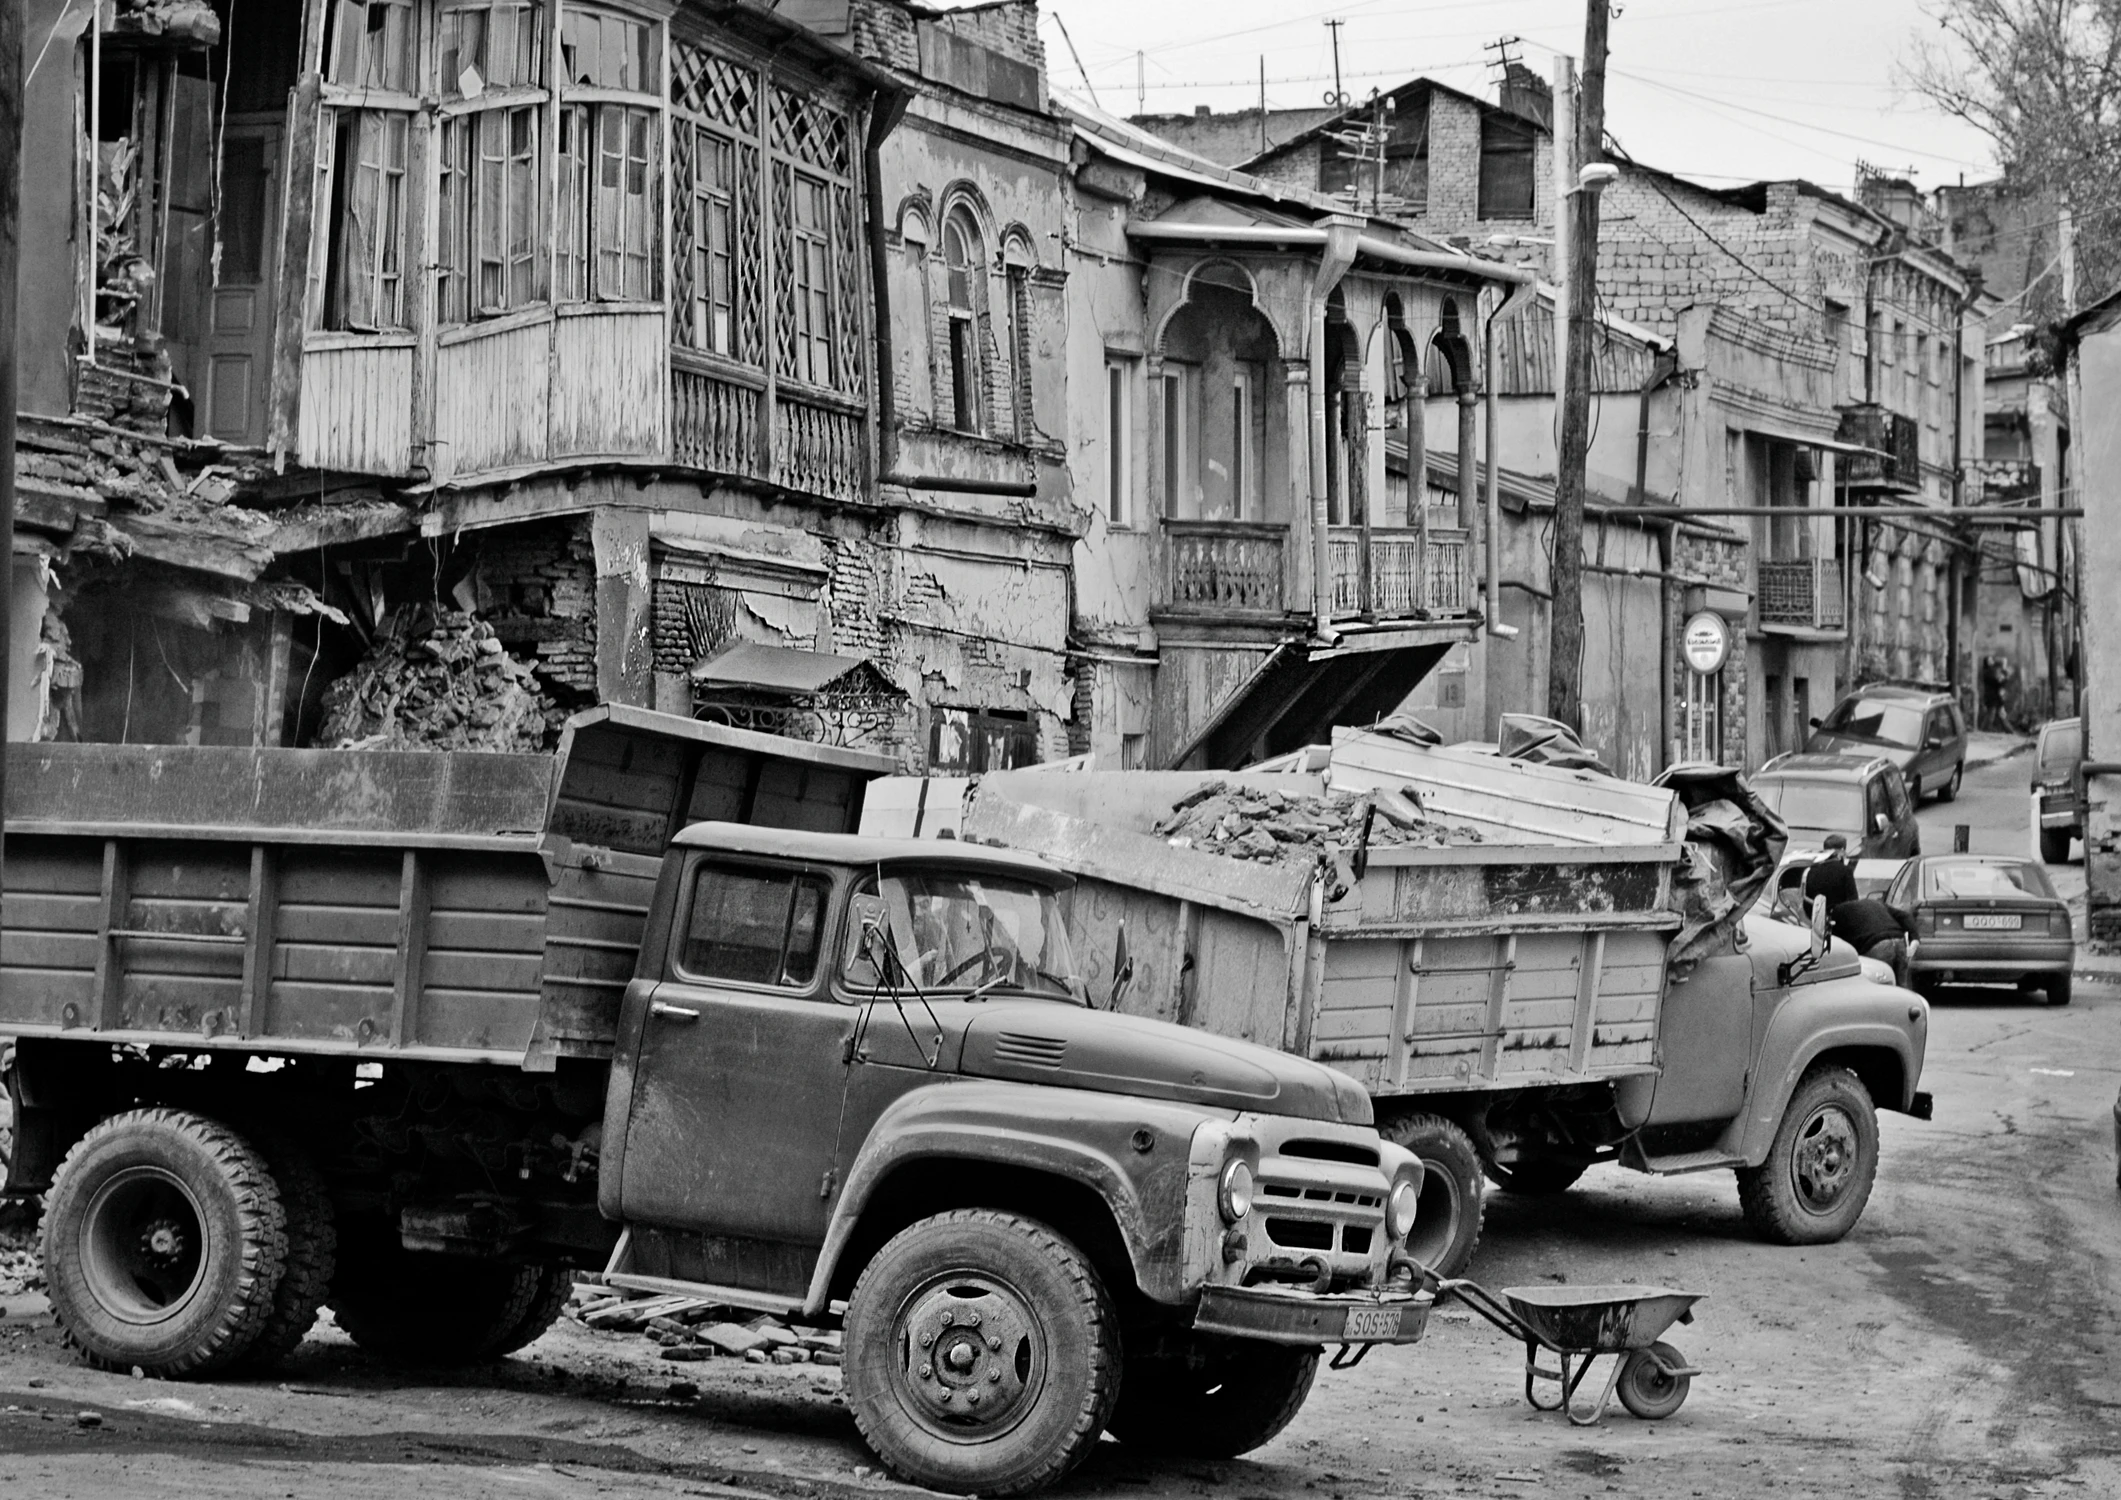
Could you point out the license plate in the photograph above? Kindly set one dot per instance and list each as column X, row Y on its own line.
column 1993, row 921
column 1371, row 1323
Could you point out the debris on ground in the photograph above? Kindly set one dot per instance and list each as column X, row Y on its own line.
column 697, row 1328
column 1246, row 822
column 21, row 1269
column 439, row 679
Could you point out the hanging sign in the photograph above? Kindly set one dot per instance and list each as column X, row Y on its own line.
column 1706, row 643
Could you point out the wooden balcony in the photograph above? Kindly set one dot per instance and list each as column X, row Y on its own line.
column 1399, row 581
column 1803, row 592
column 1224, row 568
column 815, row 443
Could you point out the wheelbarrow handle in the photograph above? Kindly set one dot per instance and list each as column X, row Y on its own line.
column 1489, row 1306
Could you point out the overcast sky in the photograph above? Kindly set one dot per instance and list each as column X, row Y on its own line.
column 1718, row 90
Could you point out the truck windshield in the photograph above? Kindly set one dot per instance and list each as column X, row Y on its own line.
column 1813, row 804
column 958, row 930
column 1883, row 720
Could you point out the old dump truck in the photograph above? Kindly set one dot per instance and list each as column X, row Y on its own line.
column 416, row 1035
column 1507, row 999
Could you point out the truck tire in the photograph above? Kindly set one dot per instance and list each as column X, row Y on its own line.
column 164, row 1241
column 1818, row 1174
column 1006, row 1409
column 1217, row 1399
column 2054, row 846
column 1447, row 1216
column 555, row 1287
column 1536, row 1176
column 311, row 1244
column 412, row 1308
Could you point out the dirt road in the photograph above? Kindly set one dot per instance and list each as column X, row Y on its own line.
column 1958, row 1344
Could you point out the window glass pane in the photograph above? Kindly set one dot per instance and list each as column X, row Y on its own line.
column 754, row 926
column 608, row 52
column 501, row 43
column 1506, row 159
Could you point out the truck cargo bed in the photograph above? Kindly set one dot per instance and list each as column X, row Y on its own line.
column 464, row 907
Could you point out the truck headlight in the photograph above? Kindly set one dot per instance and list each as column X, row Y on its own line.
column 1399, row 1208
column 1234, row 1193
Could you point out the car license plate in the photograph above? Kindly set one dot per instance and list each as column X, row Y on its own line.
column 1991, row 921
column 1371, row 1323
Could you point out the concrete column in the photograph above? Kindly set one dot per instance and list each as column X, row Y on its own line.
column 625, row 652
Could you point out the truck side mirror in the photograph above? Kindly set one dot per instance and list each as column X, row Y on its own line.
column 1818, row 946
column 869, row 955
column 1881, row 822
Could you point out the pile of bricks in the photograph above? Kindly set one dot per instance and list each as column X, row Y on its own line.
column 439, row 680
column 1241, row 822
column 537, row 584
column 694, row 1328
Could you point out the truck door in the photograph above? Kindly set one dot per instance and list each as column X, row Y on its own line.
column 743, row 1060
column 1705, row 1042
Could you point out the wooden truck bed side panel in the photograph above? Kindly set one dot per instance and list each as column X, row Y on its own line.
column 1490, row 1010
column 463, row 907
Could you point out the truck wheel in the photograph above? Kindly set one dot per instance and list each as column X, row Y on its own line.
column 311, row 1243
column 1817, row 1177
column 2054, row 846
column 1447, row 1215
column 1536, row 1176
column 555, row 1287
column 164, row 1240
column 1217, row 1399
column 982, row 1354
column 434, row 1310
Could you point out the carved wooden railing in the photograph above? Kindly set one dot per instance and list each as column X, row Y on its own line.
column 1397, row 586
column 1223, row 567
column 714, row 418
column 820, row 447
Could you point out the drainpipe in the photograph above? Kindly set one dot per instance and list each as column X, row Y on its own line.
column 1334, row 259
column 884, row 116
column 1493, row 492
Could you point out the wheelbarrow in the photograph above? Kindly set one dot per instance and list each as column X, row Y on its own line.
column 1576, row 1324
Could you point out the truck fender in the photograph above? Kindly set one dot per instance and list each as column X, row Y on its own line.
column 1131, row 1153
column 1851, row 1017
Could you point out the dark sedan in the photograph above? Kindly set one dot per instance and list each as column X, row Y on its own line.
column 1986, row 919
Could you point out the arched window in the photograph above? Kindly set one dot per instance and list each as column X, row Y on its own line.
column 964, row 305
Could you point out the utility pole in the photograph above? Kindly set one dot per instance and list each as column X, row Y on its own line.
column 1141, row 85
column 1565, row 637
column 10, row 260
column 1339, row 99
column 1564, row 181
column 1263, row 104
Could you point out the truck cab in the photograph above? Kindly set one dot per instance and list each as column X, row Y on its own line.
column 860, row 1078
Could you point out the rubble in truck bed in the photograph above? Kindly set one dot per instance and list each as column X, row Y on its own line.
column 438, row 679
column 1264, row 824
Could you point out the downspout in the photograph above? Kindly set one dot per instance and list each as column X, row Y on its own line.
column 884, row 117
column 1952, row 623
column 1334, row 258
column 1492, row 490
column 1661, row 370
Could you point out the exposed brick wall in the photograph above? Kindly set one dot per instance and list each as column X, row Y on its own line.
column 537, row 587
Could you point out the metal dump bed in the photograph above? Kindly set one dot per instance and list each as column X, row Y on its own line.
column 1525, row 959
column 375, row 903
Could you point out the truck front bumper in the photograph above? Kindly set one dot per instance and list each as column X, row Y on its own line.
column 1282, row 1315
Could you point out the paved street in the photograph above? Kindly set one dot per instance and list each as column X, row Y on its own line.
column 1956, row 1345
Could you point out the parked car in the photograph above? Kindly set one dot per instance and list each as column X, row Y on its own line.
column 1918, row 728
column 2058, row 788
column 1863, row 797
column 1986, row 919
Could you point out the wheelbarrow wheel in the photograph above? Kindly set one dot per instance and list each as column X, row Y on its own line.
column 1647, row 1386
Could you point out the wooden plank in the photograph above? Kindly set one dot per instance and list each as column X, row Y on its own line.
column 112, row 918
column 364, row 926
column 39, row 911
column 493, row 932
column 412, row 952
column 258, row 921
column 518, row 972
column 337, row 1012
column 21, row 949
column 336, row 963
column 297, row 227
column 487, row 1019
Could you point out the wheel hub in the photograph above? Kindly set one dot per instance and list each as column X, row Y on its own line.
column 1825, row 1160
column 164, row 1241
column 970, row 1347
